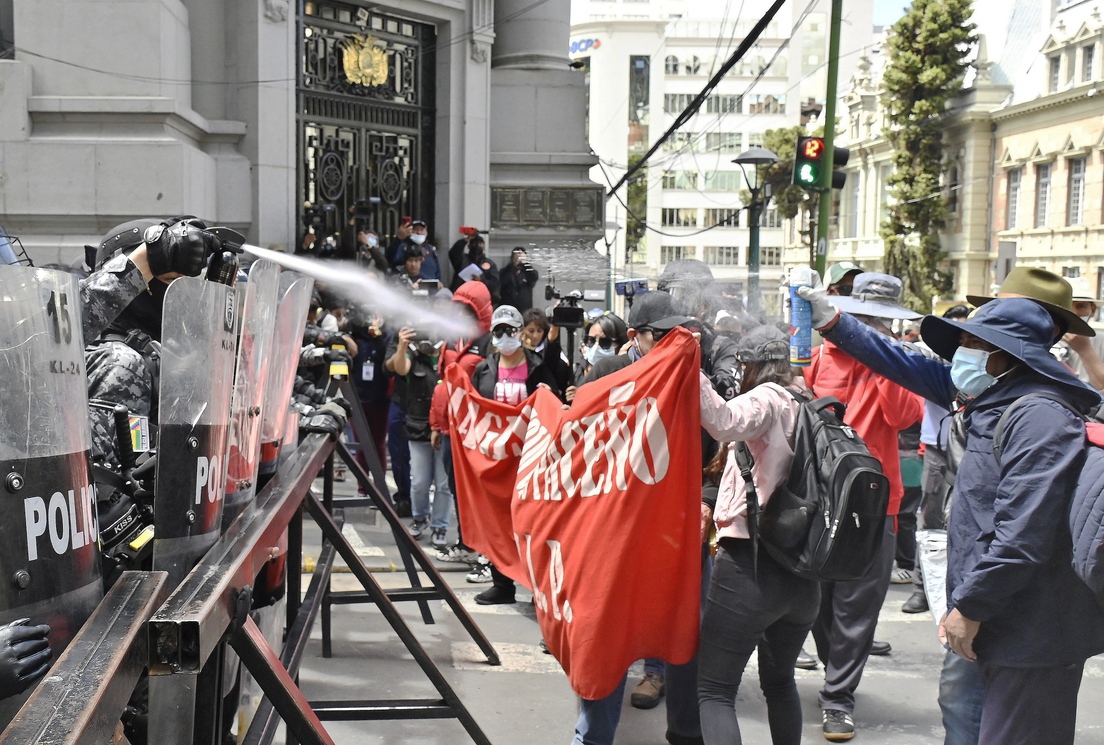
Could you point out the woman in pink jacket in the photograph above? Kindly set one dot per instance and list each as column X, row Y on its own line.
column 772, row 609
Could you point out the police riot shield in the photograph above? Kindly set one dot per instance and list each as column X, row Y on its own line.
column 49, row 538
column 197, row 377
column 287, row 341
column 257, row 310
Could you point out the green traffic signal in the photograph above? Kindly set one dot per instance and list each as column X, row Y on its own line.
column 808, row 175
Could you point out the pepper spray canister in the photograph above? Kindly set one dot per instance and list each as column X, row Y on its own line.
column 801, row 317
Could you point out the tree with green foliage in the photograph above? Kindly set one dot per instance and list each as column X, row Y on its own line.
column 790, row 200
column 924, row 71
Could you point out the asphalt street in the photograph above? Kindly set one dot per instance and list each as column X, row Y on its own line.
column 527, row 699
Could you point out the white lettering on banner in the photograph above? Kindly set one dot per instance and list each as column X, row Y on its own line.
column 209, row 477
column 626, row 436
column 613, row 442
column 68, row 522
column 550, row 600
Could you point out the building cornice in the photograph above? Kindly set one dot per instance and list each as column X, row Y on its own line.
column 1082, row 93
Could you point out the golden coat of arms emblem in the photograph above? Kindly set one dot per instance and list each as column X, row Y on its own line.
column 365, row 61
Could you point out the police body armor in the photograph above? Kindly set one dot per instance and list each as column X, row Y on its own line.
column 258, row 307
column 198, row 348
column 292, row 315
column 49, row 556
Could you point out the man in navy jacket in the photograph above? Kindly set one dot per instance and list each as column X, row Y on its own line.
column 1014, row 603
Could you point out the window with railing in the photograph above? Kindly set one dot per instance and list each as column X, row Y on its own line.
column 1075, row 209
column 680, row 141
column 680, row 217
column 723, row 181
column 722, row 217
column 770, row 218
column 667, row 254
column 676, row 103
column 731, row 142
column 766, row 103
column 724, row 103
column 722, row 255
column 683, row 180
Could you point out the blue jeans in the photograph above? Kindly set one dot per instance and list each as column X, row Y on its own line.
column 961, row 694
column 598, row 719
column 427, row 466
column 399, row 450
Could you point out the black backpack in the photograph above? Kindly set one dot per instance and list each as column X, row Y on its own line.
column 827, row 520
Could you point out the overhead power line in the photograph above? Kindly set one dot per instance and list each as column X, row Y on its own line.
column 696, row 104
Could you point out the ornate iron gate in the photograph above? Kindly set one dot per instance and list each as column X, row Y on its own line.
column 366, row 117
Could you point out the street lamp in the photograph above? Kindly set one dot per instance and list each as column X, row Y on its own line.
column 610, row 243
column 755, row 157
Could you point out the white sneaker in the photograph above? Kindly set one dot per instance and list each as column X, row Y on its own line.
column 900, row 576
column 480, row 573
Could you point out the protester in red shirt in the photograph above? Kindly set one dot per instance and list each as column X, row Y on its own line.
column 877, row 409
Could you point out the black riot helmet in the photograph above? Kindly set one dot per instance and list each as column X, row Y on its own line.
column 144, row 312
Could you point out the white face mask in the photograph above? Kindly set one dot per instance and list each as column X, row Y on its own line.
column 418, row 239
column 506, row 345
column 595, row 353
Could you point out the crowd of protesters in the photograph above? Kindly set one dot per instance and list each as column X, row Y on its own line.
column 923, row 393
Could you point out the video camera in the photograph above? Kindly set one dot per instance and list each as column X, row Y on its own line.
column 362, row 208
column 569, row 314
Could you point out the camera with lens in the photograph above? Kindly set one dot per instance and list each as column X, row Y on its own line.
column 315, row 217
column 569, row 314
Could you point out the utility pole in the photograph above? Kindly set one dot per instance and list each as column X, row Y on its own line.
column 829, row 139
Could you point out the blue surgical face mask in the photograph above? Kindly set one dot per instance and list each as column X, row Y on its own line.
column 968, row 371
column 373, row 241
column 417, row 239
column 595, row 353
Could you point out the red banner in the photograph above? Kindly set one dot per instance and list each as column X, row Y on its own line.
column 596, row 509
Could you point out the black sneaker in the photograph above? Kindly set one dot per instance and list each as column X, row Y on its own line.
column 838, row 725
column 495, row 596
column 880, row 649
column 437, row 539
column 418, row 527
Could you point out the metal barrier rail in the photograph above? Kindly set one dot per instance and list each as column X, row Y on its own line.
column 184, row 641
column 79, row 703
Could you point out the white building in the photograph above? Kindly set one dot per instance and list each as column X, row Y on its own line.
column 244, row 113
column 646, row 60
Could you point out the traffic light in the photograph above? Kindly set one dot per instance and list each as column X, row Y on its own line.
column 806, row 171
column 809, row 160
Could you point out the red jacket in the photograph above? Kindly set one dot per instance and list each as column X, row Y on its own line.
column 877, row 408
column 466, row 352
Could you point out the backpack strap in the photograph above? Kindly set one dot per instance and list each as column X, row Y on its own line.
column 998, row 433
column 745, row 461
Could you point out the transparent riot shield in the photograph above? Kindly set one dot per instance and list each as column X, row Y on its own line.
column 258, row 305
column 287, row 341
column 49, row 538
column 197, row 377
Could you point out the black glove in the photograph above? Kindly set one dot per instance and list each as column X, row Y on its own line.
column 182, row 248
column 338, row 355
column 328, row 419
column 24, row 656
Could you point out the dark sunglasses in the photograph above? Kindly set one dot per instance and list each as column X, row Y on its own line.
column 657, row 334
column 844, row 290
column 605, row 342
column 502, row 331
